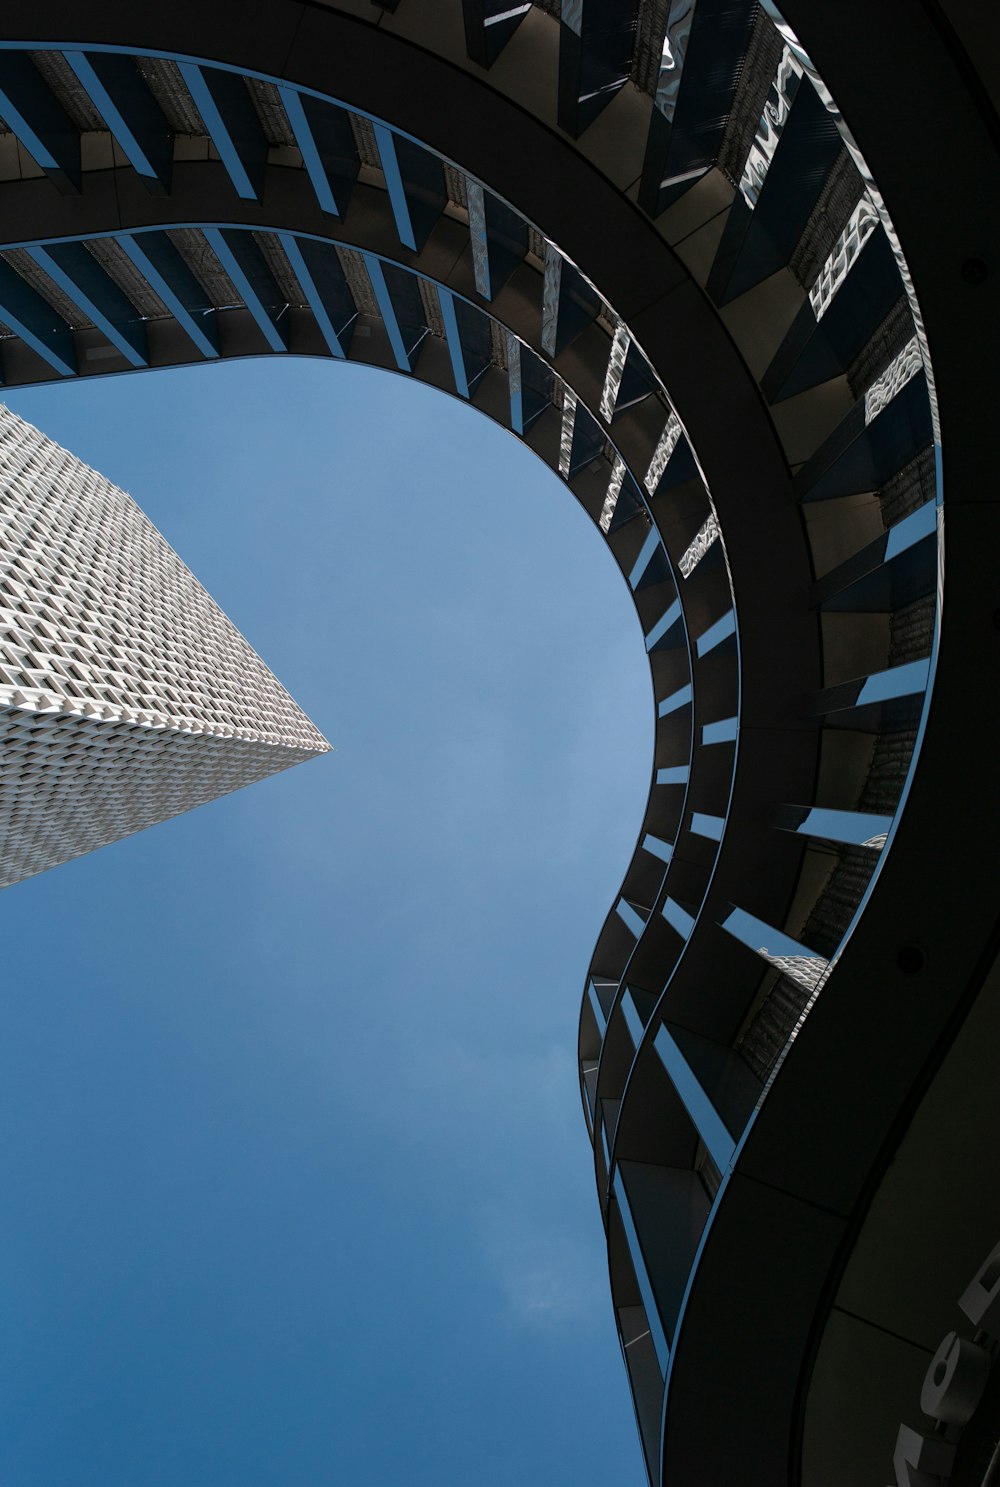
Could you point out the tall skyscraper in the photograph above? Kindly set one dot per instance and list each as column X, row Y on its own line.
column 126, row 695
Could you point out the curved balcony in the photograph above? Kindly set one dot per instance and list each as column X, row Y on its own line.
column 644, row 239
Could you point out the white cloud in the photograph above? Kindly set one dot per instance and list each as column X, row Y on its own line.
column 548, row 1279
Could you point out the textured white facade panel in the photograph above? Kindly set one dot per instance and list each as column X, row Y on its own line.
column 126, row 695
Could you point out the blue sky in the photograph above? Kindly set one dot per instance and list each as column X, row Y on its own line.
column 296, row 1186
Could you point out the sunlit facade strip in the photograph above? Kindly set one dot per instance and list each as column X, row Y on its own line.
column 903, row 367
column 611, row 499
column 874, row 195
column 661, row 455
column 675, row 44
column 772, row 123
column 566, row 433
column 616, row 366
column 864, row 221
column 693, row 554
column 477, row 235
column 551, row 295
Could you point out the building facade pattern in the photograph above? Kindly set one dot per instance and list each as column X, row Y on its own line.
column 126, row 695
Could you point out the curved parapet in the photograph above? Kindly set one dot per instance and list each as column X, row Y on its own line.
column 686, row 252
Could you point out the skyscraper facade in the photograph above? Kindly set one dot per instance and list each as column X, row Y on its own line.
column 126, row 695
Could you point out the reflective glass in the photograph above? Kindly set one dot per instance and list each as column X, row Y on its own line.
column 658, row 848
column 704, row 1116
column 633, row 1021
column 677, row 699
column 722, row 732
column 717, row 633
column 656, row 1331
column 780, row 950
column 710, row 826
column 679, row 918
column 634, row 921
column 677, row 774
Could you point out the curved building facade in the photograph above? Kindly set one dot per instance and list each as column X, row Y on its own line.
column 733, row 275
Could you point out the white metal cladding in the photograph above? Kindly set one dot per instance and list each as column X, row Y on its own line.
column 126, row 695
